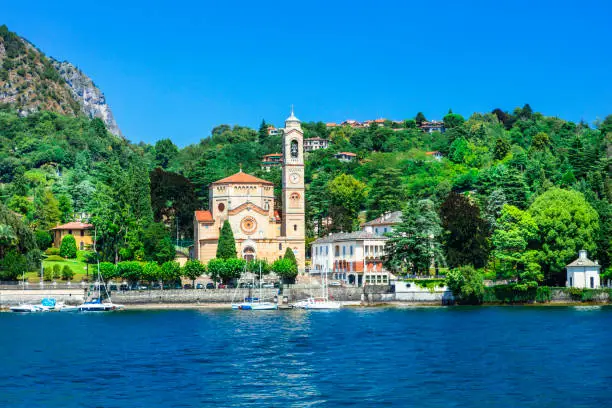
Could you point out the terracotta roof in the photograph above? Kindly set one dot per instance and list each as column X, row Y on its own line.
column 379, row 120
column 203, row 216
column 348, row 153
column 74, row 226
column 242, row 178
column 274, row 155
column 432, row 153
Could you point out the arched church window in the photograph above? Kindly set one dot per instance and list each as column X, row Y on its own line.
column 294, row 149
column 295, row 227
column 294, row 200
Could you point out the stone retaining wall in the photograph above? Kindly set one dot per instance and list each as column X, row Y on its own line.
column 12, row 297
column 189, row 296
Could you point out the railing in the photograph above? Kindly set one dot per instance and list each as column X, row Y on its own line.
column 42, row 286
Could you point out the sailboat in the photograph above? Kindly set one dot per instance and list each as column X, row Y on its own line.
column 318, row 303
column 96, row 304
column 254, row 303
column 25, row 307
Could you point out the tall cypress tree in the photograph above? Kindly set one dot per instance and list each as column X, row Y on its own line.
column 226, row 249
column 289, row 255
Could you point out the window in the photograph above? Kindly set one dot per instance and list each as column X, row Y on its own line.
column 351, row 250
column 376, row 230
column 592, row 282
column 571, row 281
column 221, row 207
column 82, row 246
column 295, row 227
column 337, row 250
column 385, row 230
column 82, row 233
column 280, row 247
column 343, row 250
column 326, row 250
column 70, row 232
column 294, row 149
column 267, row 205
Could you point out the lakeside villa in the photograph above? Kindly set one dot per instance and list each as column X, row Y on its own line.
column 81, row 232
column 356, row 258
column 247, row 202
column 583, row 273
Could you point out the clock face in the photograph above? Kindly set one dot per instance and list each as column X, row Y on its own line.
column 294, row 178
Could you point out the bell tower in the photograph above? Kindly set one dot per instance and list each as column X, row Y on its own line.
column 293, row 223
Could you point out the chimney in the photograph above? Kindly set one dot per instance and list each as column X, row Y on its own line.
column 582, row 254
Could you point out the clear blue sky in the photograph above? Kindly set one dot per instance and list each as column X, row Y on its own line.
column 177, row 69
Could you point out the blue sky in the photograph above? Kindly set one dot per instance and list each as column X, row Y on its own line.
column 177, row 69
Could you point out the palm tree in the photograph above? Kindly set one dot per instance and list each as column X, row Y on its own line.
column 7, row 238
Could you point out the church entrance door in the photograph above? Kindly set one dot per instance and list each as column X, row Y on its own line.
column 248, row 253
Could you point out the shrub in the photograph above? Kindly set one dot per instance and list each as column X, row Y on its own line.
column 543, row 294
column 48, row 274
column 67, row 273
column 52, row 251
column 55, row 258
column 68, row 248
column 466, row 284
column 56, row 271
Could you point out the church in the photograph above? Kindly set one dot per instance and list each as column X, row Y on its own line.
column 247, row 202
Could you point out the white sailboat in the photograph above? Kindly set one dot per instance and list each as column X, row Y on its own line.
column 318, row 303
column 253, row 303
column 96, row 304
column 25, row 307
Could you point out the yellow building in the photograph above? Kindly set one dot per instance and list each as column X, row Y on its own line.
column 247, row 202
column 81, row 232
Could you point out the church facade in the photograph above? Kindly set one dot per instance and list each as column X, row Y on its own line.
column 247, row 202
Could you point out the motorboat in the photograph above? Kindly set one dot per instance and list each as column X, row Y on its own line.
column 26, row 308
column 254, row 304
column 316, row 303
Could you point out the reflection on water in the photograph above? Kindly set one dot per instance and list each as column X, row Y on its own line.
column 489, row 356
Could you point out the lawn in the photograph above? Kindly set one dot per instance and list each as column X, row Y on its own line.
column 77, row 265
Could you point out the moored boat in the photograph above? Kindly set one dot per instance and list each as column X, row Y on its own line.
column 26, row 308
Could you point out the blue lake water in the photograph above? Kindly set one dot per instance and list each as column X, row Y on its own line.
column 425, row 357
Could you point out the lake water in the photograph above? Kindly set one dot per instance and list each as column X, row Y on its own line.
column 418, row 357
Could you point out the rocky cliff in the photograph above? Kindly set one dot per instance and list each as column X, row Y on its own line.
column 31, row 81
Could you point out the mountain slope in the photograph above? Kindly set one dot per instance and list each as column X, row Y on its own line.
column 31, row 82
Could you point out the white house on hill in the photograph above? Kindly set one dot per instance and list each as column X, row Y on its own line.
column 583, row 273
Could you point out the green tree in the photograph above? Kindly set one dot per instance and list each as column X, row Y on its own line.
column 517, row 232
column 8, row 238
column 465, row 239
column 65, row 208
column 263, row 131
column 157, row 245
column 226, row 247
column 467, row 285
column 151, row 272
column 12, row 264
column 502, row 148
column 43, row 239
column 290, row 256
column 57, row 271
column 67, row 273
column 567, row 224
column 68, row 248
column 420, row 118
column 415, row 243
column 234, row 268
column 108, row 271
column 165, row 152
column 285, row 269
column 452, row 120
column 170, row 272
column 130, row 271
column 216, row 269
column 386, row 194
column 192, row 270
column 47, row 211
column 347, row 196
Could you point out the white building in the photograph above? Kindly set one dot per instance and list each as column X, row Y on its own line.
column 583, row 273
column 355, row 258
column 345, row 156
column 315, row 143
